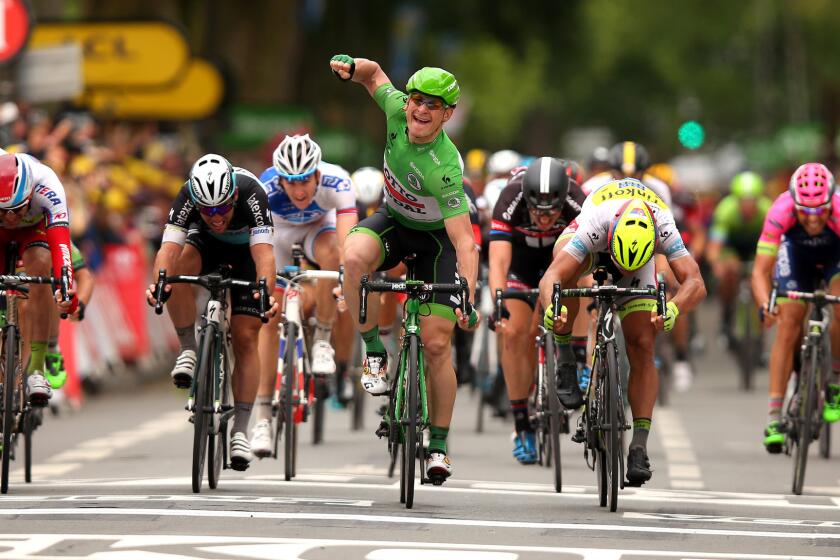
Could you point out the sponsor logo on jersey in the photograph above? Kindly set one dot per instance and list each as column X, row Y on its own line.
column 434, row 157
column 416, row 170
column 454, row 202
column 254, row 205
column 184, row 212
column 615, row 191
column 261, row 231
column 399, row 196
column 498, row 225
column 508, row 213
column 50, row 195
column 414, row 182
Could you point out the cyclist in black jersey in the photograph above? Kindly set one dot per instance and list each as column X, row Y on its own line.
column 529, row 216
column 220, row 217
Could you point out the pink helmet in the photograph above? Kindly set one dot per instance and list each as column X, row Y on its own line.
column 812, row 185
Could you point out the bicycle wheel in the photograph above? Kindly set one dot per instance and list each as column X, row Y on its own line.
column 202, row 405
column 410, row 421
column 217, row 436
column 319, row 411
column 594, row 421
column 10, row 349
column 554, row 412
column 805, row 413
column 747, row 357
column 612, row 402
column 289, row 367
column 31, row 422
column 825, row 440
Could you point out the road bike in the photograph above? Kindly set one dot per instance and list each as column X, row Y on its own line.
column 19, row 417
column 603, row 419
column 549, row 418
column 802, row 421
column 407, row 412
column 210, row 398
column 295, row 388
column 747, row 331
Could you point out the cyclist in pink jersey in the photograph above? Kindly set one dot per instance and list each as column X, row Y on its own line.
column 799, row 247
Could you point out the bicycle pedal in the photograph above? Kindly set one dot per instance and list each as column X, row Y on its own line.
column 383, row 430
column 238, row 464
column 437, row 480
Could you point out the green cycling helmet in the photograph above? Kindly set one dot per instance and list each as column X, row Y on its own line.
column 747, row 185
column 436, row 82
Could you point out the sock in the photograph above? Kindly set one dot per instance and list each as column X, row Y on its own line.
column 241, row 416
column 579, row 348
column 641, row 429
column 521, row 421
column 437, row 439
column 263, row 408
column 774, row 412
column 186, row 337
column 36, row 358
column 562, row 339
column 322, row 331
column 835, row 370
column 373, row 344
column 52, row 345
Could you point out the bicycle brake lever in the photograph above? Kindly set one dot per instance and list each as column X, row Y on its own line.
column 64, row 284
column 159, row 291
column 264, row 301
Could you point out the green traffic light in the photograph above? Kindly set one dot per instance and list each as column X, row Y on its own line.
column 691, row 135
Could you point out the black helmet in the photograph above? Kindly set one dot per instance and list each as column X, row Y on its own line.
column 629, row 158
column 545, row 184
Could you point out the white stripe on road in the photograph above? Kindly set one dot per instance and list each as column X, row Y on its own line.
column 681, row 517
column 630, row 496
column 683, row 469
column 400, row 520
column 137, row 546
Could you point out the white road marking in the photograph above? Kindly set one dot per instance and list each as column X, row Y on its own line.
column 405, row 520
column 138, row 546
column 420, row 554
column 626, row 496
column 732, row 519
column 520, row 486
column 683, row 469
column 103, row 447
column 214, row 498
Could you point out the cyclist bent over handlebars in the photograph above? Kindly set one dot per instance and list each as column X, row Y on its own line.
column 220, row 217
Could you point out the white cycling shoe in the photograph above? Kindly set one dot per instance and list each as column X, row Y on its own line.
column 240, row 452
column 323, row 358
column 182, row 373
column 39, row 389
column 261, row 439
column 374, row 377
column 683, row 376
column 438, row 467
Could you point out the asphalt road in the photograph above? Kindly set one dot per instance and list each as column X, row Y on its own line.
column 112, row 482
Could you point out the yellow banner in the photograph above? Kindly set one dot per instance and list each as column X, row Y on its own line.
column 121, row 54
column 196, row 96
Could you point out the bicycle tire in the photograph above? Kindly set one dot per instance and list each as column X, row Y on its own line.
column 612, row 402
column 807, row 404
column 594, row 439
column 318, row 412
column 358, row 420
column 201, row 418
column 411, row 425
column 28, row 432
column 289, row 366
column 554, row 412
column 825, row 441
column 747, row 346
column 10, row 347
column 216, row 436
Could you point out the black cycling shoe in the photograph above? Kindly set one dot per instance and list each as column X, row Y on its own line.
column 638, row 467
column 568, row 390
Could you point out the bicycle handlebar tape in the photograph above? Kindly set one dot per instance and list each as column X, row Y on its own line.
column 555, row 304
column 160, row 291
column 347, row 59
column 363, row 300
column 264, row 301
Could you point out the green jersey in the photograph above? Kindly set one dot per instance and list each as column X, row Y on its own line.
column 77, row 257
column 728, row 225
column 423, row 182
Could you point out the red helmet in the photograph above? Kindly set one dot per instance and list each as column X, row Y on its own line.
column 811, row 185
column 16, row 182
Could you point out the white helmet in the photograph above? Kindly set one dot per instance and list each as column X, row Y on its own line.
column 502, row 162
column 369, row 183
column 493, row 189
column 297, row 157
column 211, row 181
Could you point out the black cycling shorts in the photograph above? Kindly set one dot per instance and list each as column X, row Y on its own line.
column 215, row 253
column 436, row 261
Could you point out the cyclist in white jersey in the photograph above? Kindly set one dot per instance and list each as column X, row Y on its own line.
column 312, row 204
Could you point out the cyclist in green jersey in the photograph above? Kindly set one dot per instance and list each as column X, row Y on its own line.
column 425, row 212
column 733, row 235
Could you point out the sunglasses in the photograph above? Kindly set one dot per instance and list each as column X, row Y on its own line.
column 17, row 209
column 815, row 211
column 211, row 211
column 431, row 103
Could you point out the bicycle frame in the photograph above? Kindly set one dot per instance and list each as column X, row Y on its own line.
column 411, row 328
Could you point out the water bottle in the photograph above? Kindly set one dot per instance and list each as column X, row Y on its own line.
column 584, row 374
